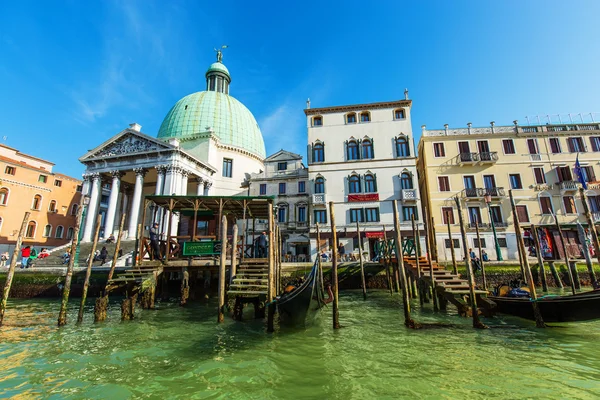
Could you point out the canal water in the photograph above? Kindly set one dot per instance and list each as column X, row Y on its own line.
column 175, row 352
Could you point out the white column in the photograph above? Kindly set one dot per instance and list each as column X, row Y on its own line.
column 160, row 181
column 172, row 187
column 207, row 185
column 184, row 182
column 136, row 201
column 109, row 224
column 92, row 210
column 200, row 186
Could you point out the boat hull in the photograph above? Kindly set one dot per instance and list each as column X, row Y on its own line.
column 300, row 307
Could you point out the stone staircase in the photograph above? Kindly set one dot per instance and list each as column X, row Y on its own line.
column 251, row 278
column 55, row 258
column 137, row 275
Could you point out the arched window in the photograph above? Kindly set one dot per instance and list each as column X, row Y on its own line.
column 52, row 206
column 353, row 150
column 60, row 230
column 354, row 184
column 31, row 228
column 351, row 118
column 47, row 231
column 402, row 149
column 406, row 181
column 4, row 192
column 399, row 114
column 370, row 183
column 37, row 202
column 367, row 149
column 317, row 121
column 365, row 116
column 74, row 209
column 318, row 152
column 319, row 185
column 282, row 212
column 70, row 233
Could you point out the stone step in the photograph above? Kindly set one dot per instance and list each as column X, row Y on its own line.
column 246, row 285
column 247, row 292
column 242, row 280
column 461, row 292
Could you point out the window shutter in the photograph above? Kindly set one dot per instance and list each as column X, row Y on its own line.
column 571, row 146
column 373, row 148
column 309, row 152
column 375, row 182
column 359, row 148
column 408, row 146
column 591, row 174
column 347, row 151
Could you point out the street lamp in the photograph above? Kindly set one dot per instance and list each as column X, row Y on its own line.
column 86, row 202
column 488, row 199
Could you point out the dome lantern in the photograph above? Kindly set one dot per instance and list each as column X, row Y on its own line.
column 217, row 76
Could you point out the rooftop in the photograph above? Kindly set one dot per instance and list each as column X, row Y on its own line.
column 516, row 129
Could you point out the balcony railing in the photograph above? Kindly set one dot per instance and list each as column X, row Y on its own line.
column 481, row 158
column 568, row 186
column 535, row 157
column 486, row 226
column 468, row 158
column 596, row 216
column 474, row 193
column 472, row 225
column 488, row 157
column 320, row 198
column 409, row 194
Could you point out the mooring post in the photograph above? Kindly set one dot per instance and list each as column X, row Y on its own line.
column 387, row 256
column 454, row 266
column 564, row 246
column 234, row 240
column 13, row 264
column 481, row 263
column 62, row 315
column 222, row 269
column 319, row 258
column 593, row 232
column 555, row 274
column 185, row 287
column 271, row 260
column 362, row 265
column 538, row 251
column 539, row 322
column 279, row 261
column 88, row 272
column 431, row 274
column 521, row 263
column 408, row 321
column 433, row 237
column 415, row 245
column 471, row 279
column 334, row 270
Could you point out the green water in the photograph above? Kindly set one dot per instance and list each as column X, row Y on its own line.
column 176, row 352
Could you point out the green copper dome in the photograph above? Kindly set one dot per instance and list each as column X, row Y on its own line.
column 218, row 67
column 231, row 122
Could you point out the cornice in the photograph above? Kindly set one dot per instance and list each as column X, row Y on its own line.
column 358, row 107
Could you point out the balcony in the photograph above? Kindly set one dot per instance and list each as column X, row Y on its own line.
column 472, row 225
column 478, row 193
column 468, row 158
column 485, row 226
column 319, row 199
column 568, row 187
column 535, row 157
column 542, row 187
column 409, row 195
column 488, row 157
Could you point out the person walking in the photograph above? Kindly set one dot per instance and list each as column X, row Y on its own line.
column 342, row 252
column 154, row 244
column 32, row 257
column 25, row 252
column 103, row 255
column 4, row 259
column 262, row 245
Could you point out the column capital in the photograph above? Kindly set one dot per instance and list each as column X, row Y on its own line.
column 161, row 169
column 185, row 172
column 140, row 171
column 174, row 168
column 91, row 176
column 116, row 173
column 207, row 184
column 199, row 180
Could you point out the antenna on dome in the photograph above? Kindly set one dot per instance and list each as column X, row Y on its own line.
column 220, row 53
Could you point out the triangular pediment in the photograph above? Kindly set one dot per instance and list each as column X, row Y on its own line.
column 126, row 143
column 283, row 155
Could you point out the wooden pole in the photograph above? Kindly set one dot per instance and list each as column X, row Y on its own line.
column 521, row 264
column 454, row 266
column 362, row 265
column 117, row 248
column 593, row 232
column 319, row 259
column 415, row 238
column 434, row 248
column 234, row 241
column 564, row 246
column 13, row 264
column 408, row 321
column 281, row 255
column 88, row 272
column 431, row 274
column 222, row 269
column 539, row 322
column 538, row 251
column 271, row 256
column 62, row 315
column 168, row 246
column 481, row 263
column 334, row 270
column 387, row 255
column 474, row 311
column 141, row 232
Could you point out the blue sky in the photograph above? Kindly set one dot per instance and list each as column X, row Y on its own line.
column 73, row 73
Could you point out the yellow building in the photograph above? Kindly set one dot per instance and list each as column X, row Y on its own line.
column 536, row 162
column 27, row 183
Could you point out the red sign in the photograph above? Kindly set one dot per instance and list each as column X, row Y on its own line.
column 363, row 197
column 374, row 234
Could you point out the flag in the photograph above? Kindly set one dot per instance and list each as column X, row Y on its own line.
column 579, row 173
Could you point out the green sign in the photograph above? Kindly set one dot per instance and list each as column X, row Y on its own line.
column 206, row 248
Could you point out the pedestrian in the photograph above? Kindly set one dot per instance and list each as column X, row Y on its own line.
column 32, row 257
column 484, row 256
column 4, row 259
column 25, row 252
column 262, row 245
column 103, row 255
column 342, row 251
column 66, row 257
column 474, row 260
column 154, row 244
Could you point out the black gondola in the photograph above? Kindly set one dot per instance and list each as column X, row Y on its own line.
column 572, row 308
column 299, row 307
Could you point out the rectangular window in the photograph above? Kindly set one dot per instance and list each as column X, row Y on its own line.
column 476, row 243
column 263, row 189
column 474, row 215
column 502, row 242
column 79, row 188
column 515, row 181
column 320, row 216
column 282, row 166
column 569, row 202
column 576, row 145
column 595, row 142
column 444, row 183
column 282, row 186
column 483, row 146
column 372, row 214
column 532, row 146
column 522, row 214
column 588, row 174
column 302, row 214
column 438, row 150
column 43, row 179
column 456, row 243
column 281, row 211
column 555, row 145
column 10, row 170
column 594, row 203
column 564, row 174
column 469, row 181
column 227, row 167
column 489, row 181
column 509, row 146
column 448, row 215
column 540, row 177
column 496, row 214
column 302, row 187
column 546, row 205
column 356, row 215
column 57, row 182
column 408, row 212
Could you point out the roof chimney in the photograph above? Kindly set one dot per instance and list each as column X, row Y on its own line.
column 135, row 127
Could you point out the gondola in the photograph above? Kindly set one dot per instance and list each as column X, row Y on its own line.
column 299, row 307
column 570, row 308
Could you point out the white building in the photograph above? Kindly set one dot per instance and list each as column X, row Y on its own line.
column 362, row 157
column 286, row 178
column 207, row 144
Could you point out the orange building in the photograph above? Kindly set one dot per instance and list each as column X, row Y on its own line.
column 27, row 183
